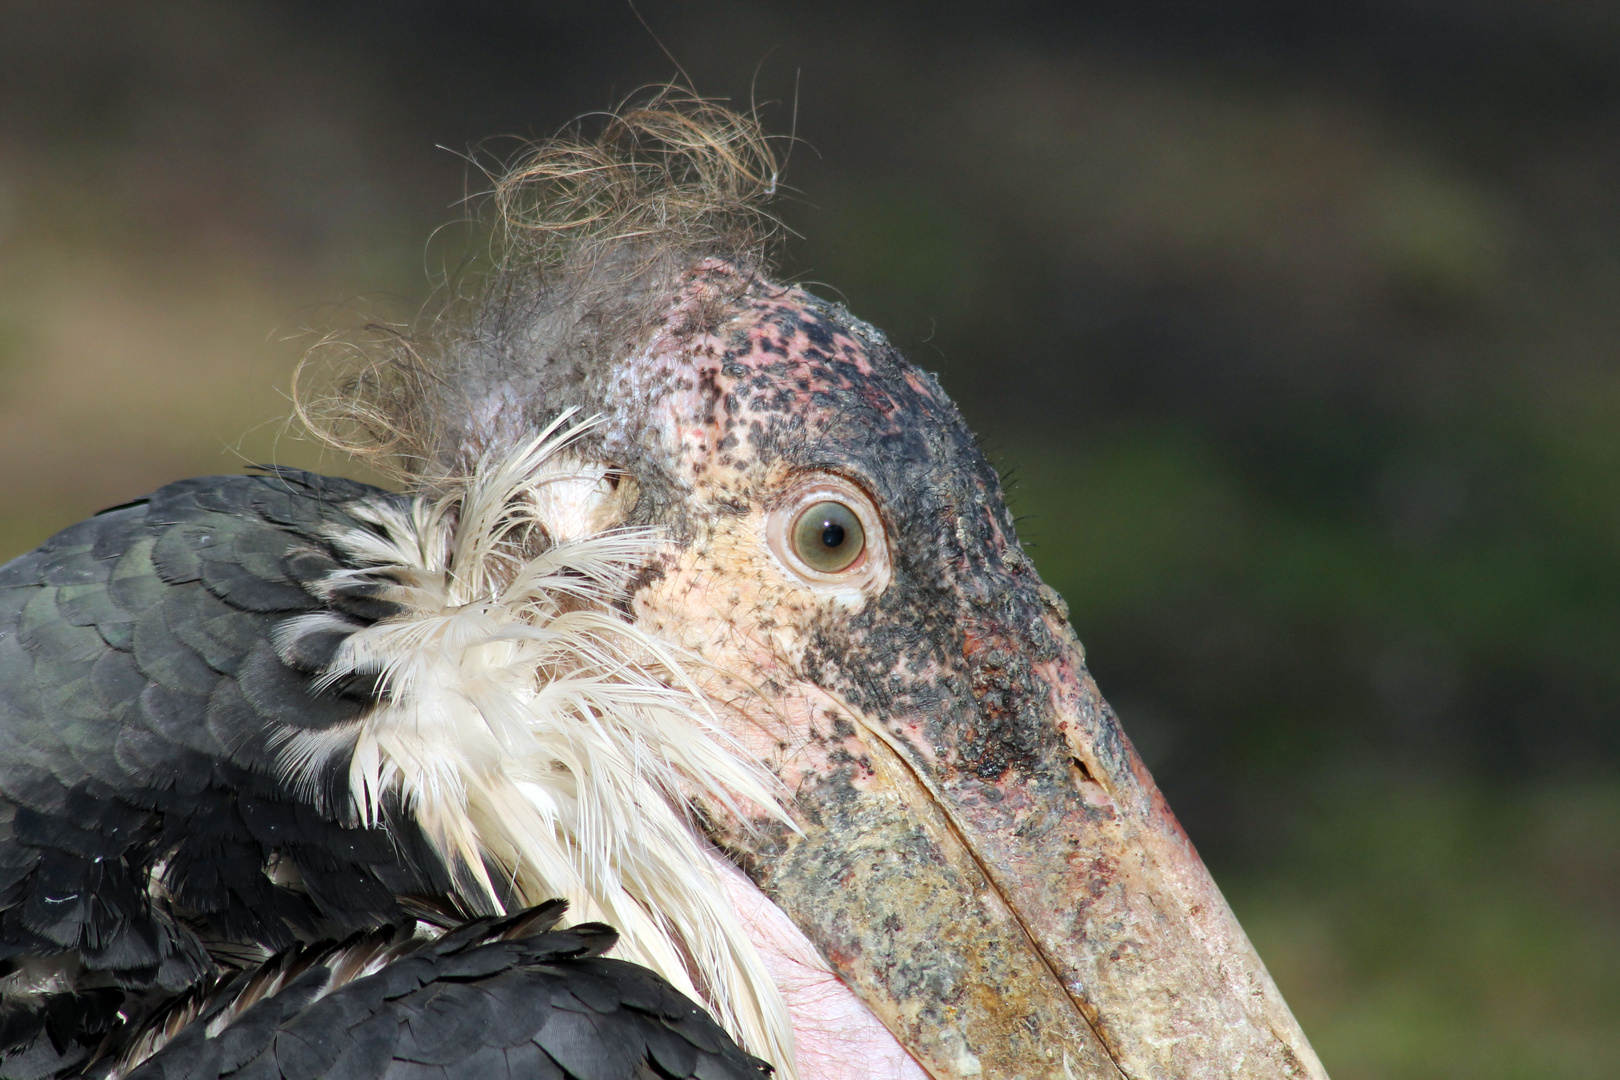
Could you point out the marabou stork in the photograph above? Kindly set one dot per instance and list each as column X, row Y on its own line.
column 698, row 609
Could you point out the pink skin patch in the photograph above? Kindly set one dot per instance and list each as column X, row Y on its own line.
column 982, row 854
column 838, row 1037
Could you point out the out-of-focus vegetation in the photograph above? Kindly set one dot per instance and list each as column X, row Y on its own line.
column 1427, row 929
column 1296, row 324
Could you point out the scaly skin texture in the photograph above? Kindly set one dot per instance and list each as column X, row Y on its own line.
column 984, row 859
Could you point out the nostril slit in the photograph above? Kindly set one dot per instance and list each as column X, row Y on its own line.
column 1086, row 777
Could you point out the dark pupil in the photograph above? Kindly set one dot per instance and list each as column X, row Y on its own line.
column 832, row 534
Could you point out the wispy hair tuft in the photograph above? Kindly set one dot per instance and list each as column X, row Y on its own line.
column 590, row 233
column 677, row 176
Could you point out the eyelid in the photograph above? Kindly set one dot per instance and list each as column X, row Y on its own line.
column 870, row 574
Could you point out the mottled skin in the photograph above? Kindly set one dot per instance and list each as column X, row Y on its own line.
column 980, row 855
column 983, row 856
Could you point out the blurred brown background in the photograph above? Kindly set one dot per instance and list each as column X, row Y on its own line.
column 1297, row 323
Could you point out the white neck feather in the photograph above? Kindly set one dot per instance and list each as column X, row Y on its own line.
column 535, row 733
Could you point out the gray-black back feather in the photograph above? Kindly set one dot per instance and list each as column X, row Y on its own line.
column 141, row 809
column 495, row 998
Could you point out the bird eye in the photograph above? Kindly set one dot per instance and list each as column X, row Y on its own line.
column 828, row 536
column 826, row 531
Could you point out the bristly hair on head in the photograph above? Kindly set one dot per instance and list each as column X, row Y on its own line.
column 590, row 232
column 677, row 175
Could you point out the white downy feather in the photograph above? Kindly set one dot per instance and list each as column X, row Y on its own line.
column 531, row 728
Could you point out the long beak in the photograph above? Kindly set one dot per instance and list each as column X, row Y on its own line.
column 1000, row 879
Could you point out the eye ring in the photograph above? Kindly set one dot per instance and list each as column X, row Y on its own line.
column 826, row 531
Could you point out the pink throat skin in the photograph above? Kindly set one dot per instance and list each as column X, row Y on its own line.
column 838, row 1037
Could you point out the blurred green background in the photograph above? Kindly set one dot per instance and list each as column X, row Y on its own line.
column 1296, row 323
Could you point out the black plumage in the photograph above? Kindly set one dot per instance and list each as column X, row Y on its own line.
column 141, row 690
column 495, row 998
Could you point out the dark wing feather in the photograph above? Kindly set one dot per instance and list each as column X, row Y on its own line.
column 473, row 1004
column 140, row 807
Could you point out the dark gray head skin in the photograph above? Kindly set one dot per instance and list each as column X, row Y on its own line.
column 983, row 856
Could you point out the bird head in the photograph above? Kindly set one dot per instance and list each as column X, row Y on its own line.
column 950, row 814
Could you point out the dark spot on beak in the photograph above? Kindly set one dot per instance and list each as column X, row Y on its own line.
column 1003, row 685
